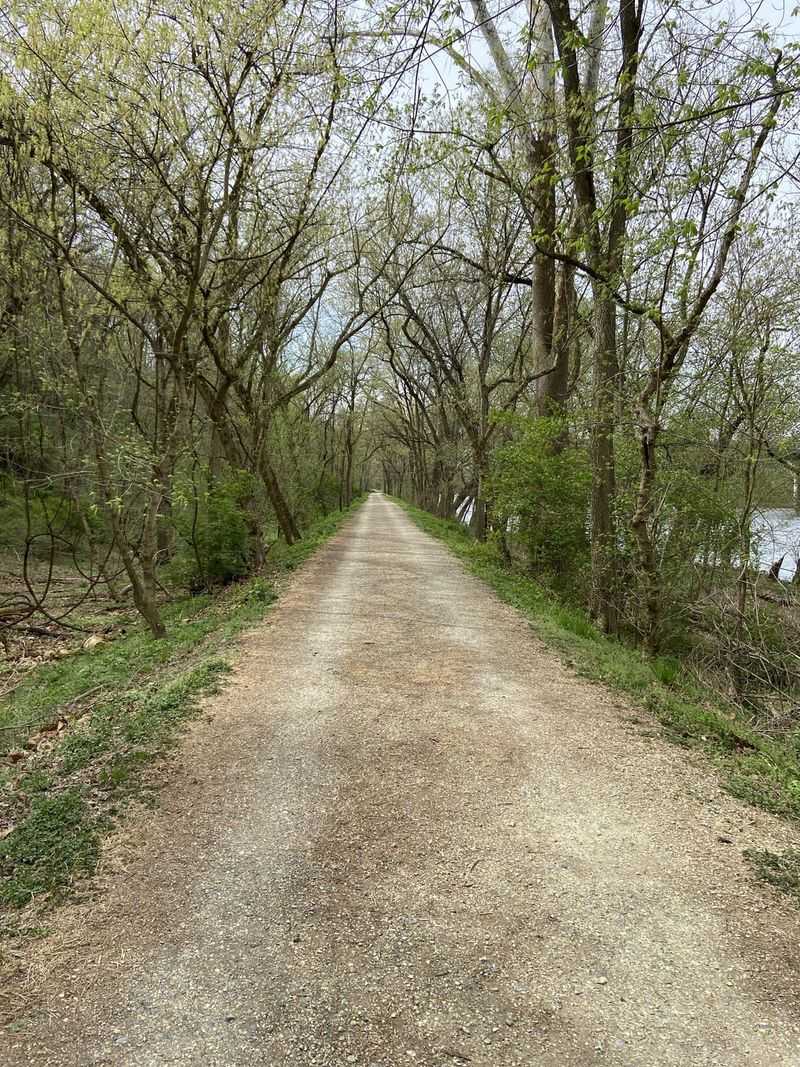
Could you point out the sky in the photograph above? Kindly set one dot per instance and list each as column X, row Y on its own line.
column 782, row 16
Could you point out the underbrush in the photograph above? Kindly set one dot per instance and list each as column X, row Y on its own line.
column 42, row 519
column 79, row 737
column 761, row 769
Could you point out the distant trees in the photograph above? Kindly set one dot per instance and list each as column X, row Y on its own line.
column 460, row 318
column 637, row 147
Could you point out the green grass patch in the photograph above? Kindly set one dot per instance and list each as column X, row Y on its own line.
column 56, row 841
column 762, row 770
column 64, row 796
column 782, row 871
column 110, row 666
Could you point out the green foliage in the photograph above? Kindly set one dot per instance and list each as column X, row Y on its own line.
column 56, row 841
column 541, row 483
column 212, row 526
column 311, row 490
column 697, row 517
column 324, row 496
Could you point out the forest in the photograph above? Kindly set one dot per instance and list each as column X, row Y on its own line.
column 531, row 268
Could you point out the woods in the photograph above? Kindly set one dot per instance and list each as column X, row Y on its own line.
column 531, row 268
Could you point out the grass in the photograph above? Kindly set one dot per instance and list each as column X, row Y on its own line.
column 763, row 771
column 57, row 841
column 118, row 663
column 782, row 871
column 62, row 797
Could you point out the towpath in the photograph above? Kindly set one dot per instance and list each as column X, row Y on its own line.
column 406, row 835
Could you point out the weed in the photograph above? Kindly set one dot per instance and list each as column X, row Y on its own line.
column 260, row 591
column 782, row 871
column 47, row 849
column 35, row 782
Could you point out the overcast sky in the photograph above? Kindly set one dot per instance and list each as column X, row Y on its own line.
column 782, row 16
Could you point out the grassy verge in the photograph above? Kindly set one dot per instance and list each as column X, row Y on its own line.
column 781, row 871
column 763, row 771
column 93, row 723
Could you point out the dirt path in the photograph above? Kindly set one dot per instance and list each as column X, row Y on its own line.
column 407, row 835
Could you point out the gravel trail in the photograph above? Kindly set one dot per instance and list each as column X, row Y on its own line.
column 405, row 834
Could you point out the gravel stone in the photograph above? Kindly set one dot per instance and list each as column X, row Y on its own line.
column 402, row 825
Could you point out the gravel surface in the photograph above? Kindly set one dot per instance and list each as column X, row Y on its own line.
column 405, row 834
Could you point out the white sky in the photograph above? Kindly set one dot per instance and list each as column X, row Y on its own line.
column 783, row 17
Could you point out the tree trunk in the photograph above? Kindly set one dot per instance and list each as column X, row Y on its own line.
column 478, row 522
column 149, row 550
column 775, row 569
column 142, row 583
column 283, row 514
column 142, row 580
column 641, row 525
column 604, row 541
column 347, row 481
column 553, row 342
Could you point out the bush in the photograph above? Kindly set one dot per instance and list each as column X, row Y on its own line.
column 540, row 489
column 213, row 535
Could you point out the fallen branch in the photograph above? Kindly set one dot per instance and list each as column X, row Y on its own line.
column 58, row 713
column 38, row 631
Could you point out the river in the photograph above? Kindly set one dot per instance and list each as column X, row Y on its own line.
column 777, row 532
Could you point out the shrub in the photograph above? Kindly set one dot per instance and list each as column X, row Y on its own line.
column 540, row 489
column 213, row 535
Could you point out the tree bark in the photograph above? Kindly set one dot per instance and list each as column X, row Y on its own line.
column 283, row 514
column 604, row 533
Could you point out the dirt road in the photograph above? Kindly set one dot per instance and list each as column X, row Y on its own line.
column 406, row 835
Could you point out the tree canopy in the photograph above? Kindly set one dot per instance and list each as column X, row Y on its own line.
column 532, row 266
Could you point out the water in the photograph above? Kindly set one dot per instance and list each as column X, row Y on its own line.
column 777, row 531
